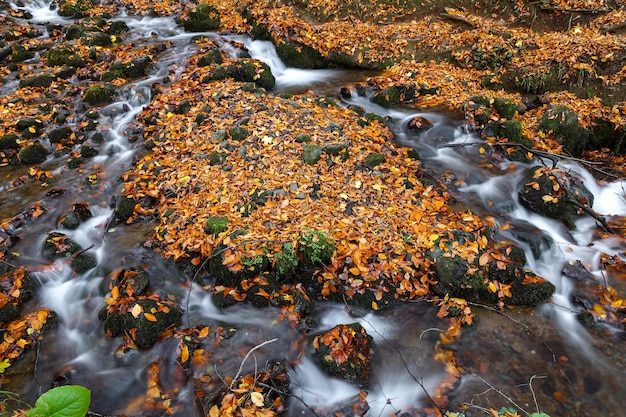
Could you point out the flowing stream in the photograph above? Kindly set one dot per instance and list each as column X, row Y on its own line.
column 544, row 346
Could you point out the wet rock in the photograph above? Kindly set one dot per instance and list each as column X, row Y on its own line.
column 87, row 151
column 346, row 352
column 576, row 270
column 419, row 124
column 9, row 142
column 16, row 287
column 33, row 154
column 564, row 125
column 213, row 57
column 237, row 133
column 531, row 289
column 138, row 67
column 58, row 245
column 74, row 9
column 117, row 27
column 20, row 54
column 299, row 55
column 202, row 18
column 133, row 281
column 57, row 135
column 98, row 39
column 98, row 95
column 511, row 130
column 83, row 263
column 388, row 97
column 311, row 154
column 553, row 193
column 125, row 208
column 64, row 55
column 141, row 319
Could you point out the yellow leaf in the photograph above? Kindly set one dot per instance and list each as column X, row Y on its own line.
column 32, row 129
column 433, row 237
column 184, row 354
column 137, row 310
column 113, row 38
column 150, row 317
column 214, row 411
column 115, row 293
column 257, row 399
column 492, row 287
column 377, row 187
column 355, row 271
column 344, row 196
column 374, row 305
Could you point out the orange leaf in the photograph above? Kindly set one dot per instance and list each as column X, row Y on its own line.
column 150, row 317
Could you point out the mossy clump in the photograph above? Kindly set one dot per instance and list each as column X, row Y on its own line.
column 21, row 54
column 33, row 154
column 388, row 97
column 505, row 107
column 59, row 134
column 316, row 248
column 374, row 159
column 74, row 8
column 83, row 263
column 9, row 141
column 201, row 18
column 42, row 80
column 299, row 55
column 98, row 39
column 311, row 154
column 216, row 225
column 125, row 208
column 563, row 123
column 64, row 55
column 286, row 261
column 214, row 56
column 98, row 95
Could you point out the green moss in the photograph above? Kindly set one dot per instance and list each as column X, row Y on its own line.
column 97, row 39
column 311, row 154
column 43, row 80
column 505, row 107
column 33, row 154
column 20, row 54
column 57, row 135
column 316, row 248
column 566, row 130
column 216, row 225
column 237, row 133
column 125, row 208
column 388, row 97
column 83, row 263
column 374, row 159
column 75, row 8
column 201, row 18
column 64, row 55
column 217, row 158
column 286, row 261
column 213, row 57
column 299, row 56
column 9, row 142
column 98, row 94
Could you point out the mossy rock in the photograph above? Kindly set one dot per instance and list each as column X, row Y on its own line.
column 75, row 8
column 57, row 135
column 532, row 290
column 98, row 95
column 505, row 107
column 21, row 54
column 202, row 18
column 346, row 352
column 286, row 261
column 374, row 159
column 388, row 97
column 9, row 142
column 511, row 130
column 213, row 57
column 33, row 154
column 87, row 151
column 64, row 55
column 28, row 122
column 237, row 133
column 42, row 80
column 83, row 263
column 137, row 67
column 552, row 193
column 74, row 32
column 311, row 154
column 58, row 245
column 125, row 208
column 154, row 317
column 605, row 135
column 299, row 55
column 252, row 71
column 563, row 122
column 217, row 158
column 97, row 39
column 216, row 225
column 117, row 27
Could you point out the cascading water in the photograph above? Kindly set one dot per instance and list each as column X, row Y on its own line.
column 78, row 352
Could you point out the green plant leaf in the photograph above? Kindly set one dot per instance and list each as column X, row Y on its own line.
column 65, row 401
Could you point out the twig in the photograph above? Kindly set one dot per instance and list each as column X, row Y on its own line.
column 509, row 399
column 238, row 374
column 612, row 28
column 603, row 223
column 532, row 391
column 80, row 252
column 289, row 394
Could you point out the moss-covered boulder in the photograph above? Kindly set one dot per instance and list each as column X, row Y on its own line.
column 388, row 97
column 21, row 54
column 213, row 57
column 99, row 95
column 141, row 319
column 74, row 8
column 40, row 80
column 202, row 18
column 33, row 154
column 9, row 141
column 137, row 67
column 565, row 127
column 216, row 225
column 299, row 55
column 16, row 286
column 311, row 154
column 60, row 134
column 64, row 55
column 345, row 352
column 374, row 159
column 505, row 107
column 252, row 71
column 58, row 245
column 125, row 208
column 553, row 193
column 83, row 263
column 98, row 39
